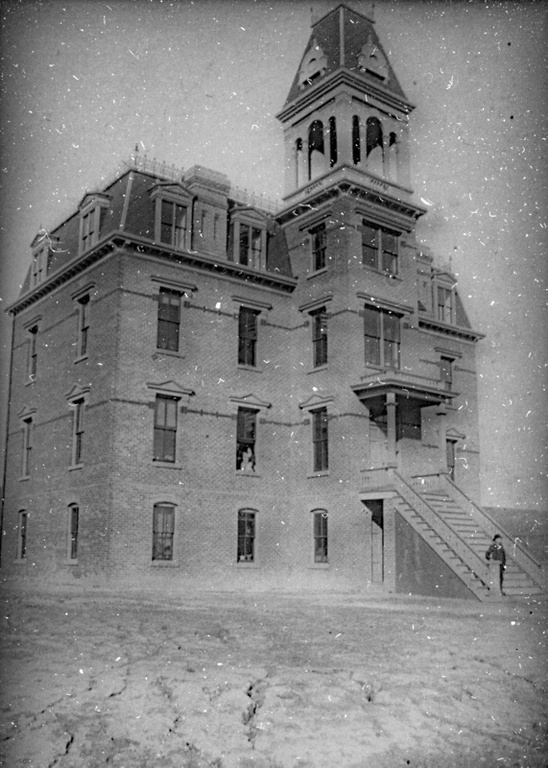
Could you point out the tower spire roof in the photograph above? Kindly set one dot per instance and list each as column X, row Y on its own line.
column 344, row 39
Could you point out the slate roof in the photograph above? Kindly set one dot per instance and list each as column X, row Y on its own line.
column 341, row 34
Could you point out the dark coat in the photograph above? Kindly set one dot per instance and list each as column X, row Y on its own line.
column 496, row 552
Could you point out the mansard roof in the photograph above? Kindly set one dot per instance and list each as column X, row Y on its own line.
column 344, row 40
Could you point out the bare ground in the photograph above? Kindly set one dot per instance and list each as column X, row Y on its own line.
column 271, row 680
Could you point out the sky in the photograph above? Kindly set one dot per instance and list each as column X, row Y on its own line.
column 201, row 82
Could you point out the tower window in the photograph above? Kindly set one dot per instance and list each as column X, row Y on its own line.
column 332, row 142
column 316, row 150
column 319, row 242
column 382, row 338
column 380, row 248
column 356, row 145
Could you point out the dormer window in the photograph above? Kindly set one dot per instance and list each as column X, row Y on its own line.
column 171, row 215
column 314, row 65
column 92, row 209
column 373, row 61
column 249, row 239
column 39, row 266
column 445, row 310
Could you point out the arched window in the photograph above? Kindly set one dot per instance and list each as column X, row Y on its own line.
column 319, row 518
column 374, row 145
column 316, row 150
column 356, row 145
column 298, row 160
column 332, row 142
column 392, row 156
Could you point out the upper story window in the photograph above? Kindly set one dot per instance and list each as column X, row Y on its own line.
column 39, row 266
column 169, row 319
column 92, row 210
column 319, row 242
column 77, row 399
column 245, row 439
column 381, row 337
column 247, row 336
column 32, row 361
column 249, row 245
column 165, row 428
column 446, row 372
column 172, row 203
column 319, row 337
column 173, row 224
column 379, row 248
column 314, row 65
column 22, row 527
column 83, row 326
column 28, row 425
column 320, row 453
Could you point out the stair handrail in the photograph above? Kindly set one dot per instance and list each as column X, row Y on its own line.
column 479, row 567
column 525, row 559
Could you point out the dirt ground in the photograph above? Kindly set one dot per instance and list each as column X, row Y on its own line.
column 269, row 680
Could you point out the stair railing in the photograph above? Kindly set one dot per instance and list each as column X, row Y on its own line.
column 513, row 546
column 459, row 546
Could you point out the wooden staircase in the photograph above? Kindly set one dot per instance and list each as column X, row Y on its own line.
column 460, row 532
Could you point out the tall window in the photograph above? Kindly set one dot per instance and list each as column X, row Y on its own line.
column 249, row 246
column 381, row 338
column 39, row 266
column 169, row 319
column 73, row 525
column 319, row 239
column 173, row 224
column 245, row 439
column 163, row 529
column 27, row 447
column 356, row 145
column 32, row 361
column 333, row 154
column 22, row 526
column 77, row 430
column 444, row 304
column 88, row 229
column 247, row 336
column 319, row 337
column 380, row 248
column 165, row 428
column 320, row 536
column 319, row 439
column 246, row 536
column 83, row 326
column 446, row 372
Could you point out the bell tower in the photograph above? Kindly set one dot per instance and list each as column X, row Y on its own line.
column 346, row 115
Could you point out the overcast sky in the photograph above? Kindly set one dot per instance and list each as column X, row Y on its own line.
column 200, row 82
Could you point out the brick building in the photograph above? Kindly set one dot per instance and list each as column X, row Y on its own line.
column 205, row 391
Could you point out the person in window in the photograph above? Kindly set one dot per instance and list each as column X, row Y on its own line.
column 496, row 554
column 248, row 461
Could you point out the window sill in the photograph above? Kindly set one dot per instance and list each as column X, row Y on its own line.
column 244, row 473
column 167, row 353
column 318, row 368
column 245, row 564
column 29, row 382
column 80, row 358
column 320, row 566
column 167, row 464
column 381, row 273
column 75, row 466
column 164, row 563
column 317, row 272
column 20, row 560
column 323, row 473
column 253, row 368
column 25, row 477
column 71, row 562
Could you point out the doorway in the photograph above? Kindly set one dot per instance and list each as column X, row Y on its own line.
column 376, row 507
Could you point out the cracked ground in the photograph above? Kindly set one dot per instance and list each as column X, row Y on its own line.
column 223, row 680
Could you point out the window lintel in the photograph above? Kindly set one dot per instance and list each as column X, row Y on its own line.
column 170, row 388
column 26, row 412
column 392, row 306
column 249, row 401
column 251, row 303
column 316, row 401
column 81, row 292
column 36, row 320
column 176, row 285
column 449, row 353
column 92, row 199
column 77, row 392
column 174, row 192
column 313, row 304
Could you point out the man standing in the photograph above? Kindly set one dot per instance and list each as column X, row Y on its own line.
column 497, row 556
